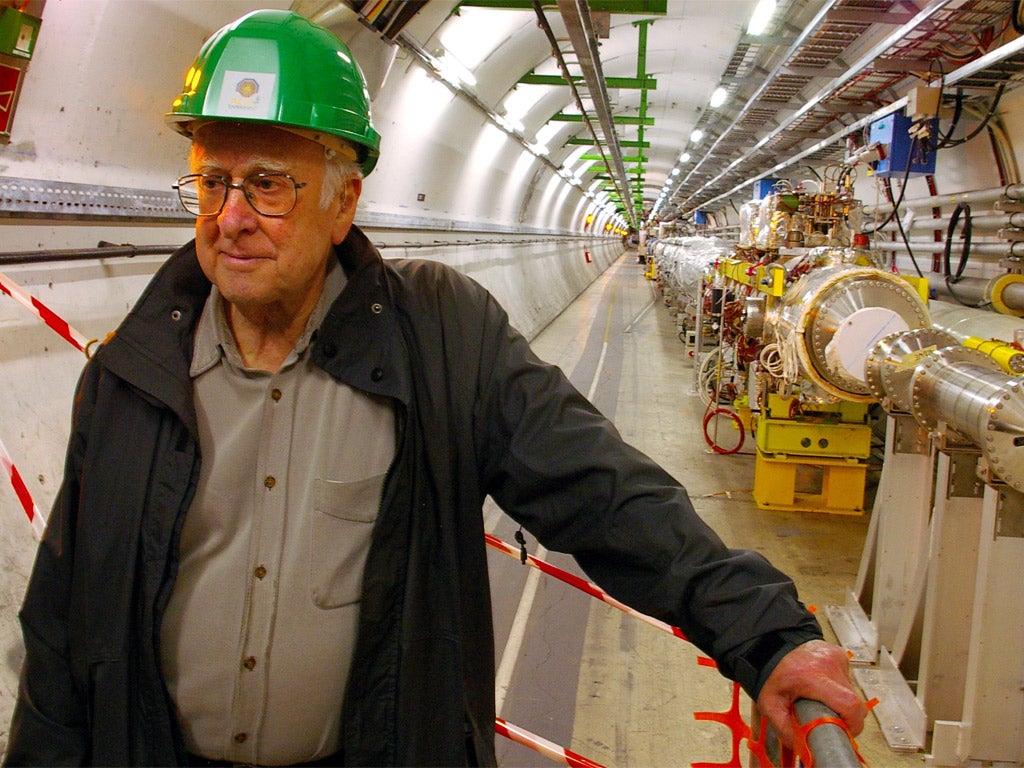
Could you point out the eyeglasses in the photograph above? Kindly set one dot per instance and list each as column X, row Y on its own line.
column 270, row 194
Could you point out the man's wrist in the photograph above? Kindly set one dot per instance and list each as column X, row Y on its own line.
column 755, row 663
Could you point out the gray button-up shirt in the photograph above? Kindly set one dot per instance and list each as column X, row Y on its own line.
column 257, row 639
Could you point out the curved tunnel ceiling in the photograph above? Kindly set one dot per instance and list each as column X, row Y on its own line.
column 795, row 94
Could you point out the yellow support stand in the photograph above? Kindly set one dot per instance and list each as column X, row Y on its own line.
column 809, row 483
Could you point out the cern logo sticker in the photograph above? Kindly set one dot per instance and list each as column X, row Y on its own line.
column 247, row 94
column 247, row 88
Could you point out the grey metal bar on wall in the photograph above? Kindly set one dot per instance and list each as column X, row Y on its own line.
column 47, row 199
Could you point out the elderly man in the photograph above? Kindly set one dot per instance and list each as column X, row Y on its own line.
column 268, row 546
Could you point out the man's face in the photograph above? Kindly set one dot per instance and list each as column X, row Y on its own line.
column 270, row 265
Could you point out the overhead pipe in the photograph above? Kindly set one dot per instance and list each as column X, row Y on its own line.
column 988, row 195
column 989, row 221
column 1000, row 249
column 580, row 26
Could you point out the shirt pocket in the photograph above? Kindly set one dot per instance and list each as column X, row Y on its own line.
column 343, row 518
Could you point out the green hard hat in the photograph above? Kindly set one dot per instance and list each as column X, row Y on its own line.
column 278, row 67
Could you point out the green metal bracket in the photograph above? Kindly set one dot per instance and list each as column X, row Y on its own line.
column 620, row 119
column 632, row 83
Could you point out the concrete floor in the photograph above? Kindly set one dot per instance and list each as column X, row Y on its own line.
column 590, row 677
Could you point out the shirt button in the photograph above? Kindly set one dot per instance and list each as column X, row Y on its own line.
column 240, row 738
column 260, row 572
column 377, row 374
column 275, row 394
column 249, row 663
column 269, row 481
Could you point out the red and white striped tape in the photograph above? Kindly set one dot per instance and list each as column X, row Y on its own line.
column 581, row 584
column 35, row 517
column 44, row 313
column 549, row 749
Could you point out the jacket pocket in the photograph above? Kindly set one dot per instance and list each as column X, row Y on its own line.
column 343, row 518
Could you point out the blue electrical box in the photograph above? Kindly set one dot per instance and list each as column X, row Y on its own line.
column 763, row 188
column 700, row 218
column 903, row 153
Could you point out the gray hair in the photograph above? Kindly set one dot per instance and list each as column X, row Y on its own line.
column 338, row 169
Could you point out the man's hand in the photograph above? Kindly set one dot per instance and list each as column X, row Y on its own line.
column 815, row 670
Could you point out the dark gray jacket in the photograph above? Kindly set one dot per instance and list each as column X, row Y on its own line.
column 477, row 413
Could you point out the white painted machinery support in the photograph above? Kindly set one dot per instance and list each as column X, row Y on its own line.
column 949, row 586
column 904, row 498
column 991, row 727
column 896, row 547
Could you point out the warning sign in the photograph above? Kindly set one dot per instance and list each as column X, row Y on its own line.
column 10, row 79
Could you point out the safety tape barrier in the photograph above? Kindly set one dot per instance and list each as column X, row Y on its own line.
column 35, row 517
column 44, row 313
column 732, row 718
column 581, row 584
column 549, row 749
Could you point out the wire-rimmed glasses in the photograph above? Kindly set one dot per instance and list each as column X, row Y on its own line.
column 270, row 194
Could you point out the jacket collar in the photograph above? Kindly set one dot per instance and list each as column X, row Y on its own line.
column 359, row 341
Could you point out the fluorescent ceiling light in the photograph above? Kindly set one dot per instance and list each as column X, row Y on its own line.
column 718, row 97
column 761, row 16
column 684, row 157
column 675, row 171
column 697, row 135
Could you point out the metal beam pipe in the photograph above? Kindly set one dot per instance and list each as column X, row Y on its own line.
column 954, row 387
column 968, row 392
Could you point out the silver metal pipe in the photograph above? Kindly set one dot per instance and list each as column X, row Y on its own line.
column 889, row 368
column 986, row 221
column 1000, row 249
column 990, row 195
column 968, row 392
column 977, row 291
column 927, row 372
column 967, row 290
column 829, row 743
